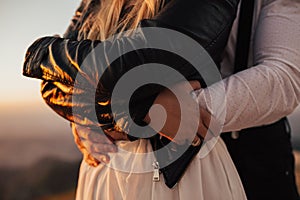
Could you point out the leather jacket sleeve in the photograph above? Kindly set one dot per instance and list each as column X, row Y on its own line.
column 59, row 62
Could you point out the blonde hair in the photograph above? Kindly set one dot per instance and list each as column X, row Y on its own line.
column 109, row 19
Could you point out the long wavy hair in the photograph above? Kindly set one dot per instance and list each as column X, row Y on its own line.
column 113, row 16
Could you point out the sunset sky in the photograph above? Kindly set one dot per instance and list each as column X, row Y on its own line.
column 22, row 22
column 29, row 130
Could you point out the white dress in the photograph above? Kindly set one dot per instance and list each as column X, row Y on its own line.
column 275, row 53
column 211, row 177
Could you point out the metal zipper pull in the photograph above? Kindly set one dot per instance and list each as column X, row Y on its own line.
column 156, row 171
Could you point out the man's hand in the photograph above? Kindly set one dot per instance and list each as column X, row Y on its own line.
column 95, row 146
column 166, row 115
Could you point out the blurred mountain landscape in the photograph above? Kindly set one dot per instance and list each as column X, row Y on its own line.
column 39, row 160
column 46, row 178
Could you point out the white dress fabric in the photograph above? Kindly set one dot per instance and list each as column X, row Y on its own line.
column 257, row 96
column 213, row 177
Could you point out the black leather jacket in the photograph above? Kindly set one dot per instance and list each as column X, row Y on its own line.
column 57, row 61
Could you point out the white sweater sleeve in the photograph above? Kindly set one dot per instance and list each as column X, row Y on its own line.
column 270, row 89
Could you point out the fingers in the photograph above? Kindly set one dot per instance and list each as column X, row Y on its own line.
column 95, row 153
column 98, row 151
column 86, row 133
column 88, row 158
column 195, row 85
column 94, row 146
column 108, row 137
column 103, row 158
column 102, row 149
column 116, row 135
